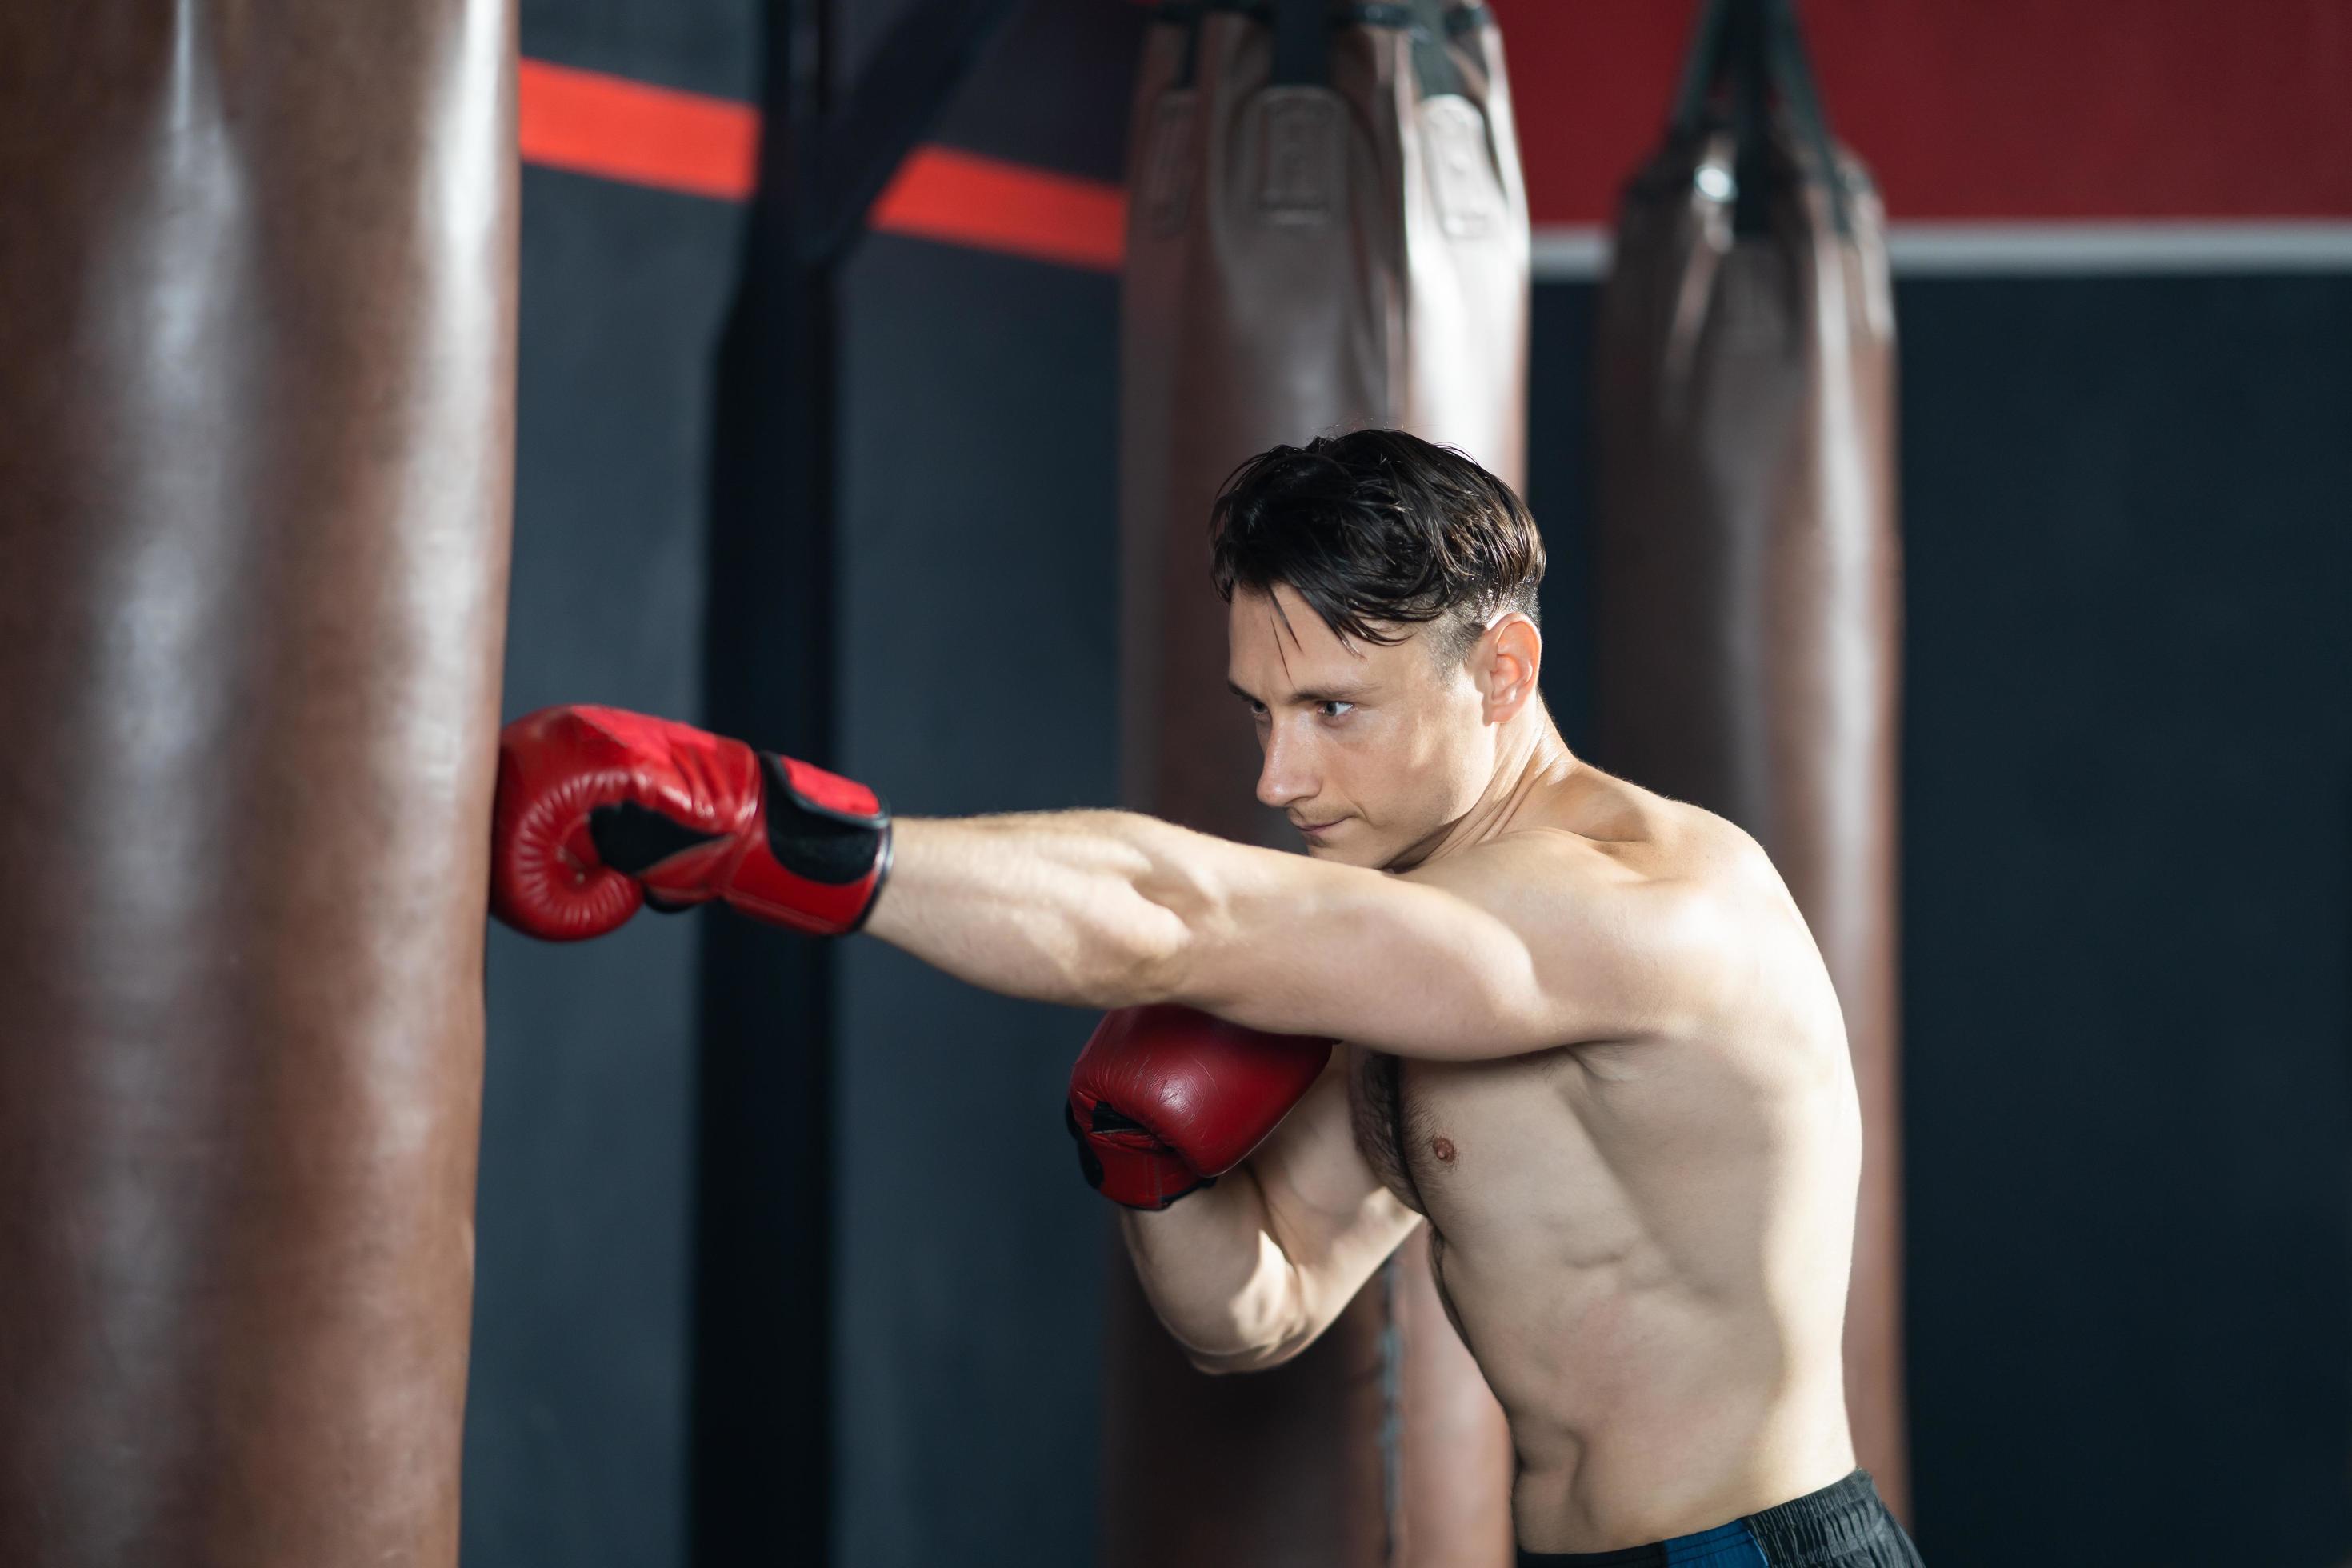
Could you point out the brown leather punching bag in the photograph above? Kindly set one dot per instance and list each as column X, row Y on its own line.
column 1327, row 229
column 1747, row 562
column 256, row 327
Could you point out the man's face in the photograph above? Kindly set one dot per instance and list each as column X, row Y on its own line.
column 1372, row 750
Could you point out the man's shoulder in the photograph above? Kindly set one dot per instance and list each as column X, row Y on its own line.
column 1690, row 871
column 1641, row 837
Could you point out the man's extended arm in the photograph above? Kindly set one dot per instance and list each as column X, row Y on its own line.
column 1528, row 942
column 1535, row 939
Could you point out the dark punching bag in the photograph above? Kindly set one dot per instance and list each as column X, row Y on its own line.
column 256, row 330
column 1327, row 229
column 1747, row 564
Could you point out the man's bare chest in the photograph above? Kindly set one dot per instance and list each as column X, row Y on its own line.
column 1459, row 1141
column 1414, row 1121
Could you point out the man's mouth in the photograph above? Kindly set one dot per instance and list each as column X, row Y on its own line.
column 1314, row 827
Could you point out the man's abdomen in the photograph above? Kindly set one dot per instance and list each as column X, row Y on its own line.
column 1653, row 1363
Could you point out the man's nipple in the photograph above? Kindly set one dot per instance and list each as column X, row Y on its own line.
column 1442, row 1147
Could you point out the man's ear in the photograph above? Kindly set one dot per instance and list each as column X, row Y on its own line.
column 1505, row 661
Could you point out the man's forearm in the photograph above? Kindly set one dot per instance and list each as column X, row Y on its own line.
column 1083, row 908
column 1218, row 1280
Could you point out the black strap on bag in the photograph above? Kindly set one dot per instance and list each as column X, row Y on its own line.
column 1302, row 44
column 1188, row 15
column 1703, row 70
column 1753, row 52
column 1302, row 34
column 1793, row 71
column 1431, row 25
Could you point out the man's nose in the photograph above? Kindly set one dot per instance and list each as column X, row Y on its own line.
column 1287, row 774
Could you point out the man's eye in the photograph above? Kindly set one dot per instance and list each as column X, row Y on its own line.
column 1344, row 709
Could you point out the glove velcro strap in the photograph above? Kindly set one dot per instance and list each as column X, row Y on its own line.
column 825, row 855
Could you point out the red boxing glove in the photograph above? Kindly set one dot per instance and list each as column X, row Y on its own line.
column 601, row 810
column 1166, row 1098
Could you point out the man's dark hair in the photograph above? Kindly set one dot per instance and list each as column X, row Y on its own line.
column 1375, row 529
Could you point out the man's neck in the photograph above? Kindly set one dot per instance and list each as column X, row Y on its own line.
column 1531, row 764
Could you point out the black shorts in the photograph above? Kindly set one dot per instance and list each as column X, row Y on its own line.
column 1840, row 1526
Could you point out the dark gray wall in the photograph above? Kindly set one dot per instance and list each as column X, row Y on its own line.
column 979, row 674
column 576, row 1418
column 576, row 1422
column 1559, row 446
column 2129, row 918
column 979, row 648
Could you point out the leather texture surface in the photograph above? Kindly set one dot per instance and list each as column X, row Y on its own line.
column 256, row 387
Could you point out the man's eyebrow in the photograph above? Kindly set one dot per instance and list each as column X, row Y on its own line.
column 1327, row 694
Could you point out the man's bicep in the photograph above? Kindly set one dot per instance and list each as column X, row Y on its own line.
column 1588, row 947
column 1310, row 1165
column 1522, row 945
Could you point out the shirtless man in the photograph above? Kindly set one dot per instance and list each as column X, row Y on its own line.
column 1589, row 1039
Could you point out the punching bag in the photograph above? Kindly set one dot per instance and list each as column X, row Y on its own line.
column 256, row 456
column 1327, row 229
column 1746, row 558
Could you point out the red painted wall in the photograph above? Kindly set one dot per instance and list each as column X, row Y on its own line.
column 2019, row 109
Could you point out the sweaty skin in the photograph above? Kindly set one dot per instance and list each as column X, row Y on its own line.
column 1589, row 1041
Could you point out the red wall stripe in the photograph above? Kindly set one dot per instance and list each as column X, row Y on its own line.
column 595, row 124
column 964, row 199
column 591, row 123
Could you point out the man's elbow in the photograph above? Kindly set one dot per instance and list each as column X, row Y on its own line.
column 1255, row 1341
column 1143, row 957
column 1261, row 1326
column 1180, row 919
column 1265, row 1360
column 1223, row 1366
